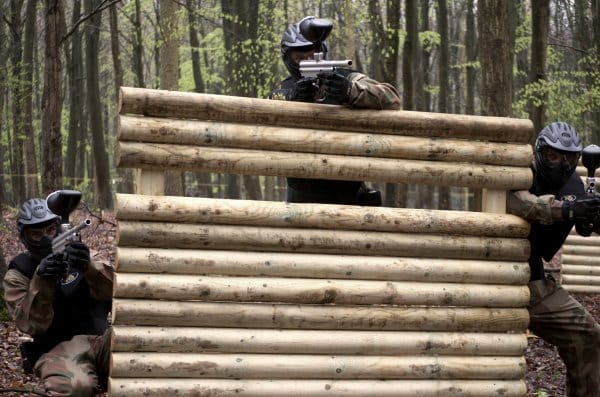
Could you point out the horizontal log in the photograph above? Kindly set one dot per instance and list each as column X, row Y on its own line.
column 593, row 240
column 255, row 315
column 308, row 165
column 577, row 279
column 316, row 291
column 582, row 289
column 248, row 238
column 578, row 260
column 276, row 264
column 304, row 366
column 321, row 216
column 581, row 269
column 132, row 387
column 184, row 105
column 386, row 343
column 249, row 136
column 583, row 250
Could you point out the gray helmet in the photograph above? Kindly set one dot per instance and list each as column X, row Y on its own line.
column 561, row 137
column 34, row 212
column 293, row 39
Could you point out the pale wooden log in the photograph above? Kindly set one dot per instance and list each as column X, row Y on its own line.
column 304, row 366
column 322, row 216
column 316, row 291
column 249, row 136
column 580, row 260
column 276, row 264
column 140, row 387
column 581, row 269
column 593, row 240
column 387, row 343
column 248, row 238
column 583, row 250
column 582, row 171
column 577, row 279
column 582, row 289
column 184, row 105
column 308, row 165
column 254, row 315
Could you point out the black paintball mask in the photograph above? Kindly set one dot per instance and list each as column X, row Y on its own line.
column 37, row 226
column 308, row 35
column 557, row 152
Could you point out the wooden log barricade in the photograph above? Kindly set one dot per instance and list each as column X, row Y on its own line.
column 580, row 267
column 257, row 298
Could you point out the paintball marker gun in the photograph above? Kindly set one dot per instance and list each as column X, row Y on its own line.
column 590, row 157
column 316, row 31
column 62, row 203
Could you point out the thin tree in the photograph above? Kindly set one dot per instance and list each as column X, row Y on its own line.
column 138, row 46
column 93, row 25
column 471, row 53
column 52, row 98
column 31, row 166
column 540, row 23
column 443, row 71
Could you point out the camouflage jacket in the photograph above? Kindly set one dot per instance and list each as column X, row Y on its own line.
column 30, row 301
column 545, row 209
column 365, row 93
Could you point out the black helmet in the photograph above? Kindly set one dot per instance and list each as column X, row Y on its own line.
column 562, row 138
column 293, row 39
column 35, row 212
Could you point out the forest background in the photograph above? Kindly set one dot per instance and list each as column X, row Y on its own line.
column 62, row 63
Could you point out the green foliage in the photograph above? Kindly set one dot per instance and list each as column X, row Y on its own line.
column 429, row 40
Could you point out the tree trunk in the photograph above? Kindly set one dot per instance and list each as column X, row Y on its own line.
column 540, row 23
column 378, row 41
column 471, row 52
column 443, row 65
column 236, row 35
column 52, row 98
column 596, row 33
column 423, row 98
column 410, row 46
column 104, row 195
column 496, row 39
column 138, row 46
column 31, row 167
column 169, row 74
column 195, row 46
column 3, row 58
column 18, row 166
column 126, row 175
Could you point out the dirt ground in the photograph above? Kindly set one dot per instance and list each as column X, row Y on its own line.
column 545, row 371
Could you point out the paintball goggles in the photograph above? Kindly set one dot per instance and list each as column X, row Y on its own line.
column 62, row 203
column 316, row 31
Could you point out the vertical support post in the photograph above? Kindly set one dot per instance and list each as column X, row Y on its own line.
column 493, row 201
column 150, row 182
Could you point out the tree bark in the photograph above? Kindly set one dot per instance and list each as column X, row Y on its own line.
column 471, row 53
column 138, row 46
column 443, row 96
column 104, row 194
column 16, row 55
column 540, row 23
column 31, row 166
column 496, row 39
column 169, row 74
column 195, row 46
column 52, row 99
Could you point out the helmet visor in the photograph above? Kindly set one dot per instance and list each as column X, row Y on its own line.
column 36, row 234
column 555, row 158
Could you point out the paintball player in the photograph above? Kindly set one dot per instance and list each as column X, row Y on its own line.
column 341, row 86
column 557, row 201
column 62, row 300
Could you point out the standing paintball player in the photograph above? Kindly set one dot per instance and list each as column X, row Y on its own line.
column 557, row 201
column 341, row 86
column 62, row 300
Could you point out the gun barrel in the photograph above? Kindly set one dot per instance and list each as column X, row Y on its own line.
column 61, row 240
column 325, row 64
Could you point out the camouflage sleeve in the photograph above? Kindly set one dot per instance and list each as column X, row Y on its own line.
column 29, row 301
column 544, row 209
column 99, row 277
column 370, row 94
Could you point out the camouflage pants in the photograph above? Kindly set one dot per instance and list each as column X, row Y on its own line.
column 78, row 367
column 559, row 319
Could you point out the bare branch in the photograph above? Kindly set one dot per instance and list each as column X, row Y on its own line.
column 101, row 7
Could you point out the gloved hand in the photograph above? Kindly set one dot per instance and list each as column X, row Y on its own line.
column 78, row 255
column 582, row 211
column 52, row 267
column 584, row 229
column 305, row 90
column 336, row 86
